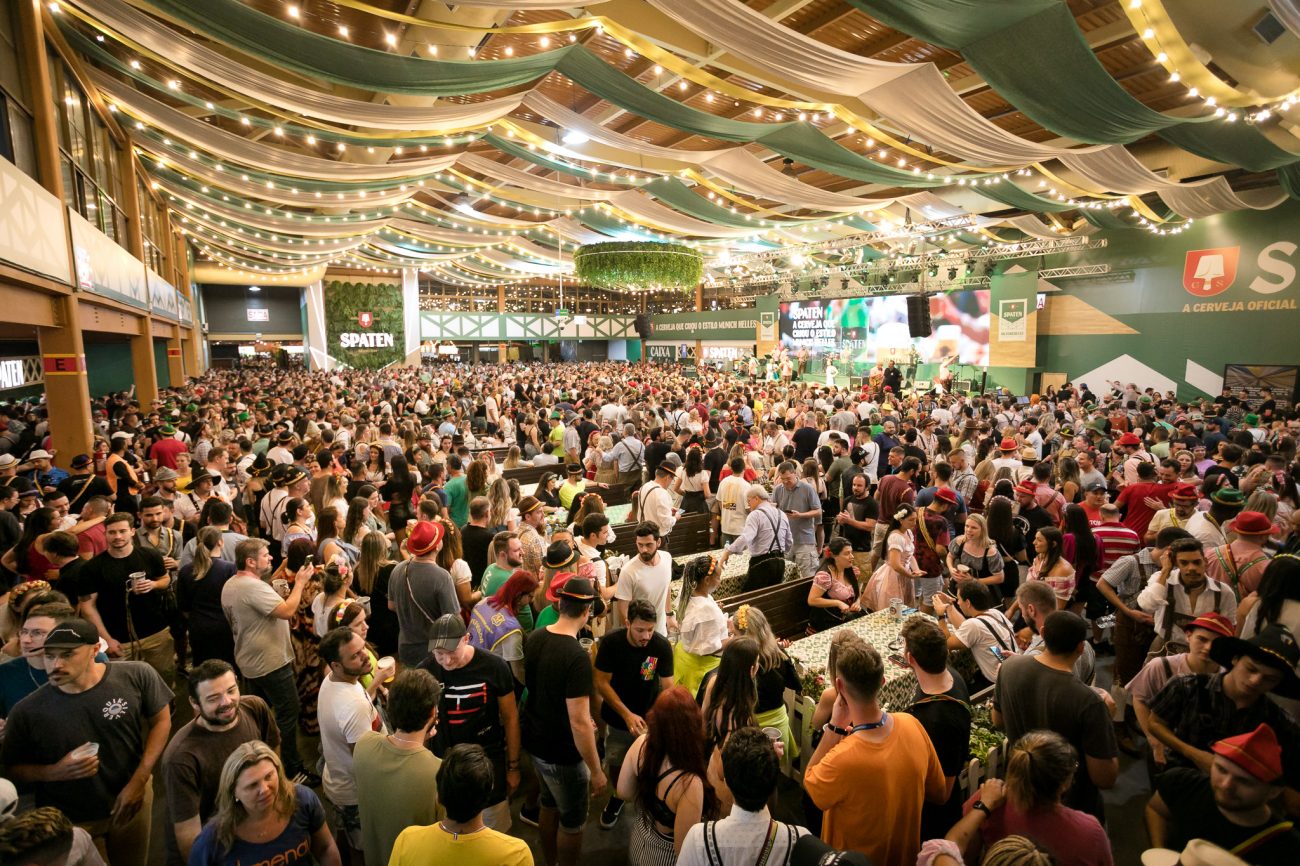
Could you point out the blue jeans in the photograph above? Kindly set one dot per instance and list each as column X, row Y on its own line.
column 280, row 690
column 567, row 788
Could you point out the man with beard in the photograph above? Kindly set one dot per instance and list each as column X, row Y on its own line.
column 1181, row 592
column 857, row 522
column 346, row 711
column 122, row 708
column 633, row 664
column 121, row 592
column 259, row 619
column 223, row 720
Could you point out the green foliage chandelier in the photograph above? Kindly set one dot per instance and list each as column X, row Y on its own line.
column 639, row 265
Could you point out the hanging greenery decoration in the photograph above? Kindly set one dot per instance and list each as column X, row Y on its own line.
column 639, row 265
column 364, row 324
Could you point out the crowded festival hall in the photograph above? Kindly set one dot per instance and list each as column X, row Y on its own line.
column 649, row 432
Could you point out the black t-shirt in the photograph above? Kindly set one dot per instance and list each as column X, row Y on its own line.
column 715, row 461
column 10, row 530
column 80, row 489
column 772, row 683
column 1190, row 799
column 634, row 672
column 865, row 508
column 655, row 452
column 805, row 442
column 555, row 669
column 108, row 578
column 946, row 718
column 49, row 723
column 474, row 542
column 468, row 711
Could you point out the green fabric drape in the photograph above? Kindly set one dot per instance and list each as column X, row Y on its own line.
column 303, row 51
column 677, row 195
column 1106, row 219
column 1063, row 86
column 1013, row 196
column 1289, row 178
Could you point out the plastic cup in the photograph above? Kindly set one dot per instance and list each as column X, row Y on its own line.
column 364, row 601
column 773, row 734
column 137, row 578
column 387, row 662
column 896, row 605
column 281, row 586
column 586, row 643
column 86, row 750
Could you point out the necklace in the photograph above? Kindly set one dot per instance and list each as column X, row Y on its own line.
column 35, row 682
column 457, row 834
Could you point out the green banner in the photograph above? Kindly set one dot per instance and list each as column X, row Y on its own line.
column 364, row 325
column 707, row 325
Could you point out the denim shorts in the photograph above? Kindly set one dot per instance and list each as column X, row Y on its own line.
column 566, row 788
column 349, row 824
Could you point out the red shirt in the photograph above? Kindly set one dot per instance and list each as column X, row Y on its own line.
column 92, row 541
column 1138, row 515
column 893, row 490
column 1072, row 837
column 164, row 452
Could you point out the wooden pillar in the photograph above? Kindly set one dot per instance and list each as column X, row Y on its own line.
column 45, row 117
column 67, row 394
column 175, row 361
column 142, row 364
column 501, row 308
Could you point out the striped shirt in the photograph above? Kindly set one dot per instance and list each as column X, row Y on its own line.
column 1115, row 540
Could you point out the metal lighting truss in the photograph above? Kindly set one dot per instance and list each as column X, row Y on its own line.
column 909, row 231
column 1075, row 271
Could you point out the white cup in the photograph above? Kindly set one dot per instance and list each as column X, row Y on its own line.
column 86, row 750
column 364, row 601
column 773, row 734
column 137, row 578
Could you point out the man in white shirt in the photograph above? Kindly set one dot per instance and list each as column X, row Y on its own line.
column 654, row 502
column 346, row 711
column 751, row 769
column 1180, row 592
column 283, row 450
column 977, row 625
column 732, row 499
column 647, row 576
column 1008, row 459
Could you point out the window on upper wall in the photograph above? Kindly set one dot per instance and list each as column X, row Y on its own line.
column 152, row 226
column 89, row 156
column 16, row 128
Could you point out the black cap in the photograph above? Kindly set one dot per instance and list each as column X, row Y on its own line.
column 71, row 634
column 1096, row 487
column 446, row 632
column 583, row 589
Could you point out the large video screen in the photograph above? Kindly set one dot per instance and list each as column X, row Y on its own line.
column 876, row 328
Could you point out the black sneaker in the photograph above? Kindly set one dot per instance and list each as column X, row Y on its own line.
column 529, row 816
column 609, row 817
column 303, row 777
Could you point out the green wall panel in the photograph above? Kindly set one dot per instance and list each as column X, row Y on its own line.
column 160, row 364
column 108, row 368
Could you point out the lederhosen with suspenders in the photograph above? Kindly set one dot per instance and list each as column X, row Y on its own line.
column 633, row 475
column 767, row 569
column 1164, row 644
column 1229, row 563
column 714, row 853
column 74, row 501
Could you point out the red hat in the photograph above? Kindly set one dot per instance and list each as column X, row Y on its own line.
column 1008, row 444
column 425, row 537
column 1215, row 622
column 1258, row 753
column 889, row 387
column 557, row 584
column 1252, row 523
column 946, row 494
column 1129, row 439
column 1185, row 492
column 1027, row 487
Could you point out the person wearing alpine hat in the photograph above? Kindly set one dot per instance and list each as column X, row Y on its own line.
column 1235, row 806
column 1183, row 499
column 1192, row 713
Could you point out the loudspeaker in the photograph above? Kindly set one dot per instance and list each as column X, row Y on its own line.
column 643, row 327
column 918, row 316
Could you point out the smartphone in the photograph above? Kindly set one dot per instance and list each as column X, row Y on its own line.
column 898, row 660
column 998, row 653
column 311, row 558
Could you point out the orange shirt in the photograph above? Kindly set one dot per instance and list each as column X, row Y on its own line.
column 872, row 793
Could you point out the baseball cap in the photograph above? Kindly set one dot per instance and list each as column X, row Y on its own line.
column 72, row 633
column 446, row 632
column 1097, row 487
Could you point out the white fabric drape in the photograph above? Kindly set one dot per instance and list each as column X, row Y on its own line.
column 1217, row 197
column 256, row 154
column 505, row 174
column 1288, row 12
column 746, row 172
column 230, row 73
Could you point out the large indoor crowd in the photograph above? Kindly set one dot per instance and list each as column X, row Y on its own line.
column 402, row 613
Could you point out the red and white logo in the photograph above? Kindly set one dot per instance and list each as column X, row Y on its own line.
column 1209, row 272
column 365, row 320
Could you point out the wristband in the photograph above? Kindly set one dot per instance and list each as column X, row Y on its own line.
column 983, row 807
column 834, row 729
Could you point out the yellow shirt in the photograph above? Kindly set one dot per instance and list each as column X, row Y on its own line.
column 420, row 846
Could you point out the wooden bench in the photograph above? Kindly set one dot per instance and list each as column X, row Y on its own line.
column 785, row 606
column 624, row 540
column 531, row 474
column 690, row 535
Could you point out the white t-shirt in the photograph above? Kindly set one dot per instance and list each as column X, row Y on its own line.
column 460, row 572
column 345, row 713
column 732, row 494
column 648, row 582
column 981, row 633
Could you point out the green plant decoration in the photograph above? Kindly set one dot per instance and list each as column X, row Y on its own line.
column 344, row 305
column 639, row 265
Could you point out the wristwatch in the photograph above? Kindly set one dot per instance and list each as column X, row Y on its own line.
column 835, row 729
column 979, row 804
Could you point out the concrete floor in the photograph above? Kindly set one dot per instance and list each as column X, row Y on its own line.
column 1124, row 806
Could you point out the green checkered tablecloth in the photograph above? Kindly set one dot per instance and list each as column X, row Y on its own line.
column 733, row 573
column 879, row 629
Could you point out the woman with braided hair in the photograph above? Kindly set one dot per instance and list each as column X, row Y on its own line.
column 776, row 673
column 703, row 624
column 897, row 553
